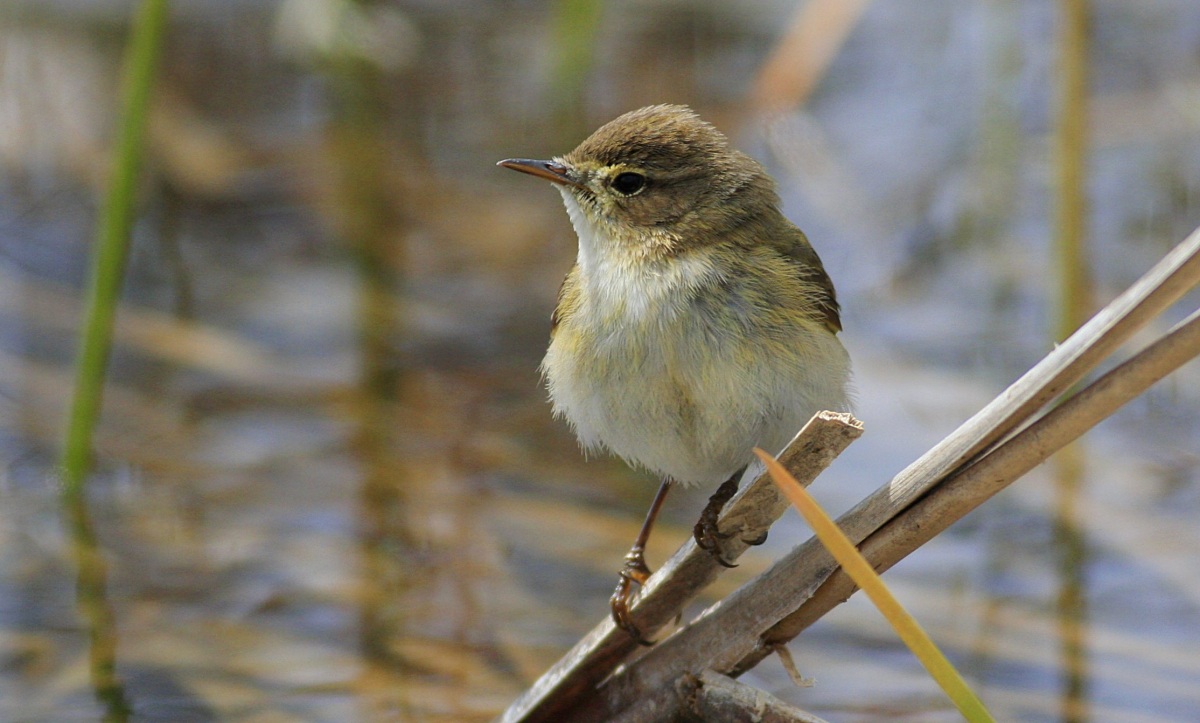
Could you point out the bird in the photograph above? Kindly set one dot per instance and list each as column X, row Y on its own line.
column 697, row 322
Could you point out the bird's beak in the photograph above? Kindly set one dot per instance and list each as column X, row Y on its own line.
column 550, row 170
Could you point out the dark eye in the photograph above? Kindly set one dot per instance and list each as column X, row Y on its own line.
column 628, row 183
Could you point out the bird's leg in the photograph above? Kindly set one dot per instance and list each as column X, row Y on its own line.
column 708, row 537
column 636, row 569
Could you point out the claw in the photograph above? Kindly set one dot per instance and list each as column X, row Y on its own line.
column 708, row 536
column 635, row 571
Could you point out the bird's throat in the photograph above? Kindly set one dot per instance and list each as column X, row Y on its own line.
column 632, row 277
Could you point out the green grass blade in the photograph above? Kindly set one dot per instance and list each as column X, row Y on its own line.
column 112, row 240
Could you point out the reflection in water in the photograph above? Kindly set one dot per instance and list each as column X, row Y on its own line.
column 1074, row 307
column 91, row 596
column 417, row 601
column 170, row 238
column 1073, row 553
column 372, row 232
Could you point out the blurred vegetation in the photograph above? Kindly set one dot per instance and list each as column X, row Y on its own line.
column 326, row 480
column 112, row 241
column 574, row 31
column 104, row 289
column 1071, row 139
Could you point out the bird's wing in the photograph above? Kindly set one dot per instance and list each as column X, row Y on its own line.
column 568, row 299
column 811, row 270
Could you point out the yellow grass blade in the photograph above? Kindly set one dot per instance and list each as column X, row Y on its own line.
column 859, row 570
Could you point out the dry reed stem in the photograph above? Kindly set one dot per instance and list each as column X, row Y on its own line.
column 963, row 492
column 817, row 32
column 1071, row 143
column 750, row 513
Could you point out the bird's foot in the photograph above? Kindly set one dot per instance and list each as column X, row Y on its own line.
column 635, row 571
column 708, row 536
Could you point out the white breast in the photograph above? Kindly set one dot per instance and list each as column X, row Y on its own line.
column 616, row 285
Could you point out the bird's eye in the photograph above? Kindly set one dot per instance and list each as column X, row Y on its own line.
column 628, row 183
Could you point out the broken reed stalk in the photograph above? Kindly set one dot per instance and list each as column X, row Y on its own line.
column 749, row 514
column 964, row 491
column 740, row 630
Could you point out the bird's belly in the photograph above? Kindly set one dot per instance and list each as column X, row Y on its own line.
column 690, row 412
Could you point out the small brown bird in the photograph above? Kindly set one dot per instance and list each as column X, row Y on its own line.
column 697, row 322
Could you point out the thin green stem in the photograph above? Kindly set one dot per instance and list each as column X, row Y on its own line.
column 104, row 288
column 1072, row 144
column 112, row 241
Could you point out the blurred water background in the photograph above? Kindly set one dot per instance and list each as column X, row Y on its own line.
column 328, row 484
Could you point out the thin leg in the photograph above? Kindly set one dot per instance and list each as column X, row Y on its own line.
column 636, row 569
column 708, row 537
